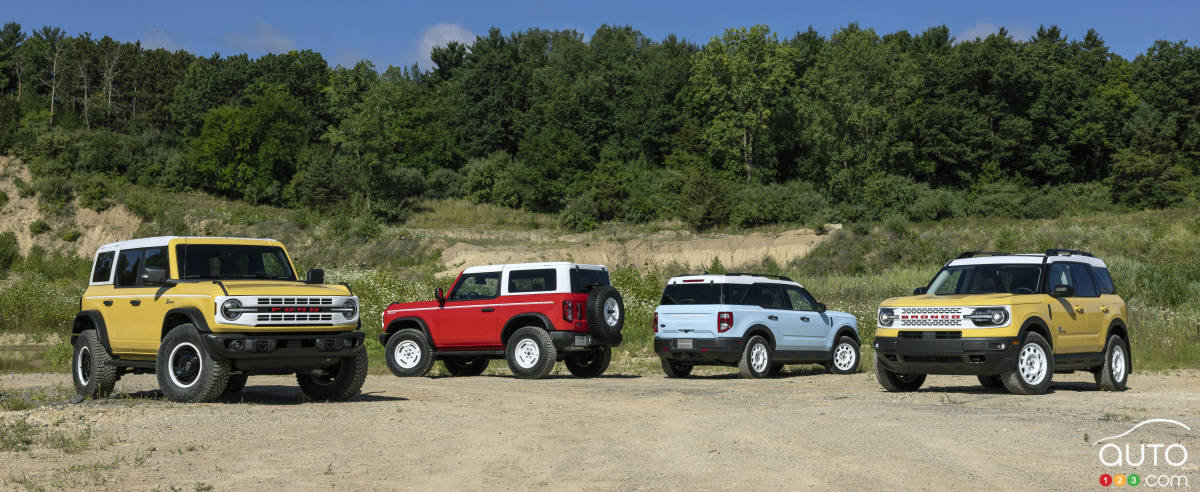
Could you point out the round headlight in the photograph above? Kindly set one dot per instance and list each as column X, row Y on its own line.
column 350, row 309
column 227, row 309
column 886, row 317
column 997, row 317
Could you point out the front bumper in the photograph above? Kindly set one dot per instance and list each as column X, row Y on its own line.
column 282, row 352
column 930, row 355
column 702, row 351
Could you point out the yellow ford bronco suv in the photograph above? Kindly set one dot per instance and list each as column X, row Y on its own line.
column 204, row 313
column 1012, row 320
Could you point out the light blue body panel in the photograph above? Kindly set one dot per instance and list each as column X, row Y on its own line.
column 789, row 330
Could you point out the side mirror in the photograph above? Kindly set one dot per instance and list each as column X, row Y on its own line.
column 315, row 276
column 154, row 276
column 1063, row 291
column 919, row 291
column 439, row 295
column 821, row 307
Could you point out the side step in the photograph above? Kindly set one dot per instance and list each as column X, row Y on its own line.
column 140, row 364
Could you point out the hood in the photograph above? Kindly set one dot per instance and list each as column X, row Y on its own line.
column 929, row 300
column 841, row 315
column 282, row 288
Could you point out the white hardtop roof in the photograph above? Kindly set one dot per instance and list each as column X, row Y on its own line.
column 728, row 279
column 150, row 242
column 1027, row 258
column 525, row 266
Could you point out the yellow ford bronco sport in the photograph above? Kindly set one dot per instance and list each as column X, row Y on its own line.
column 1012, row 320
column 204, row 313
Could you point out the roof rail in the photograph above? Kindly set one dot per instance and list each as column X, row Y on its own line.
column 972, row 254
column 743, row 274
column 1067, row 252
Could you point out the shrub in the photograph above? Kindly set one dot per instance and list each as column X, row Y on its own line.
column 3, row 199
column 92, row 190
column 581, row 214
column 39, row 227
column 54, row 193
column 796, row 202
column 9, row 252
column 69, row 235
column 444, row 183
column 24, row 189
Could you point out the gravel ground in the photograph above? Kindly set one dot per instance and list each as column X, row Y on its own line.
column 799, row 431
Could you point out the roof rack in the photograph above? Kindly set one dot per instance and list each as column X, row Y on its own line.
column 972, row 254
column 1067, row 252
column 743, row 274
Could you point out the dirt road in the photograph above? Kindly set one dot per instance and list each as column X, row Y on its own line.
column 804, row 430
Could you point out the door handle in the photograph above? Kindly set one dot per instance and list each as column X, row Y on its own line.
column 804, row 318
column 135, row 302
column 773, row 317
column 1079, row 309
column 1104, row 309
column 108, row 302
column 488, row 310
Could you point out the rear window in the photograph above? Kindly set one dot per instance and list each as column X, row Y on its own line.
column 583, row 279
column 692, row 294
column 1104, row 281
column 104, row 264
column 532, row 280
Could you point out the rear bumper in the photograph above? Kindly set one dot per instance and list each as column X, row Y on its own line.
column 978, row 356
column 703, row 350
column 574, row 340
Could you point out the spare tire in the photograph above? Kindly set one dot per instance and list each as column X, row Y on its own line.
column 605, row 314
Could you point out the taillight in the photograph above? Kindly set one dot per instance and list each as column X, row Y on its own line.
column 724, row 322
column 654, row 324
column 568, row 311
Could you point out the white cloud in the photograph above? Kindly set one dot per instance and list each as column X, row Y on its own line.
column 160, row 38
column 983, row 29
column 440, row 35
column 265, row 38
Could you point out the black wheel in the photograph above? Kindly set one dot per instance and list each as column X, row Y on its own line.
column 1115, row 371
column 186, row 371
column 897, row 382
column 589, row 364
column 676, row 369
column 339, row 382
column 90, row 369
column 991, row 381
column 408, row 353
column 530, row 353
column 1034, row 369
column 236, row 383
column 843, row 359
column 756, row 358
column 776, row 368
column 605, row 313
column 472, row 366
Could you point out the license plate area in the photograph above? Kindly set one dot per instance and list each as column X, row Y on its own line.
column 684, row 344
column 583, row 340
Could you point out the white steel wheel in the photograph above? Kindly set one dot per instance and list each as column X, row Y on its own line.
column 527, row 353
column 83, row 366
column 1032, row 364
column 185, row 364
column 612, row 311
column 1117, row 366
column 407, row 354
column 844, row 357
column 759, row 358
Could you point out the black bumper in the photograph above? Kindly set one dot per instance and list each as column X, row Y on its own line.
column 703, row 350
column 574, row 340
column 926, row 355
column 239, row 346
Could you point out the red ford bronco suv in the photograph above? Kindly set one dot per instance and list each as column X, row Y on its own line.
column 531, row 314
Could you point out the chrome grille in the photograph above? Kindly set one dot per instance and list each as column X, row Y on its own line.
column 296, row 317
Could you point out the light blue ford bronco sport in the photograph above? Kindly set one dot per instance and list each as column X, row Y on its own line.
column 755, row 322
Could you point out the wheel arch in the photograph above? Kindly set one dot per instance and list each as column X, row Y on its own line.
column 1035, row 324
column 521, row 320
column 183, row 315
column 1117, row 327
column 85, row 320
column 405, row 323
column 760, row 330
column 846, row 330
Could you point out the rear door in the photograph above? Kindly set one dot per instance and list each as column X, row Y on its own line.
column 779, row 317
column 810, row 331
column 468, row 319
column 1068, row 316
column 1087, row 295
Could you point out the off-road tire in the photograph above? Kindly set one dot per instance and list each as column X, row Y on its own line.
column 605, row 313
column 1107, row 378
column 469, row 366
column 747, row 365
column 851, row 347
column 530, row 353
column 1013, row 379
column 344, row 382
column 94, row 377
column 589, row 364
column 897, row 383
column 404, row 345
column 675, row 369
column 236, row 383
column 186, row 372
column 991, row 382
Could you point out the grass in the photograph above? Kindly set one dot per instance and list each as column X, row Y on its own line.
column 17, row 435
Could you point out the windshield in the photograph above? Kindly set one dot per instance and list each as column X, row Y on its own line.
column 987, row 279
column 226, row 261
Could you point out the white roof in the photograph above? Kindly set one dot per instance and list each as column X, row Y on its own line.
column 1027, row 258
column 524, row 266
column 728, row 279
column 150, row 242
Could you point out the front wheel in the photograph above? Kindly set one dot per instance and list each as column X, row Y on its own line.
column 408, row 353
column 186, row 371
column 897, row 383
column 472, row 366
column 1035, row 367
column 1115, row 371
column 90, row 369
column 340, row 382
column 675, row 369
column 589, row 364
column 756, row 358
column 844, row 357
column 530, row 353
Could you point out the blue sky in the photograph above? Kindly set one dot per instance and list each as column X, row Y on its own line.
column 394, row 33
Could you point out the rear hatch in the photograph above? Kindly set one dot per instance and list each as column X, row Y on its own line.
column 689, row 310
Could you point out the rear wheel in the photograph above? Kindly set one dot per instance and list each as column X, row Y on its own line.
column 1115, row 371
column 186, row 371
column 1035, row 367
column 472, row 366
column 676, row 369
column 991, row 381
column 90, row 369
column 589, row 364
column 844, row 357
column 339, row 382
column 530, row 353
column 756, row 358
column 408, row 353
column 897, row 382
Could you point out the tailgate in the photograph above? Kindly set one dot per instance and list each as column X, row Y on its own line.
column 689, row 321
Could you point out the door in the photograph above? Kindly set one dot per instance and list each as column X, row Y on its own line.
column 1068, row 317
column 1087, row 296
column 156, row 302
column 810, row 332
column 779, row 317
column 124, row 318
column 468, row 319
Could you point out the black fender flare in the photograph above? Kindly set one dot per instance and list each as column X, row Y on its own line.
column 1038, row 321
column 193, row 316
column 510, row 326
column 846, row 330
column 388, row 330
column 1118, row 325
column 760, row 328
column 84, row 320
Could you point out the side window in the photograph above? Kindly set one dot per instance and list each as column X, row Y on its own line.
column 771, row 297
column 1081, row 277
column 1104, row 281
column 1059, row 275
column 102, row 272
column 736, row 294
column 801, row 301
column 476, row 286
column 127, row 267
column 532, row 280
column 153, row 258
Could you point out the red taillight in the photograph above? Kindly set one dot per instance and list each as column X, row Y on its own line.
column 724, row 322
column 579, row 310
column 568, row 311
column 654, row 324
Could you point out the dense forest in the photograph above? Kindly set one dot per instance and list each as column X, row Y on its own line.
column 751, row 127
